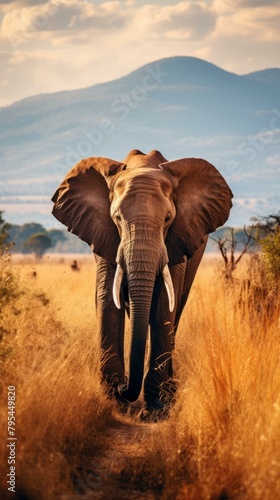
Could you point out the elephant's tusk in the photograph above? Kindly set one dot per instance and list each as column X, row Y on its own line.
column 117, row 286
column 169, row 287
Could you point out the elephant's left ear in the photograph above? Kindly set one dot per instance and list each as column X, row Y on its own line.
column 81, row 203
column 203, row 202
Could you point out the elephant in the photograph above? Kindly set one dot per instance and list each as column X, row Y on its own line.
column 147, row 221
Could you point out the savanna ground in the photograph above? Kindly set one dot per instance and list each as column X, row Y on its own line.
column 222, row 440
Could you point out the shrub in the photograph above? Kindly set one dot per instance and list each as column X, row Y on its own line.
column 9, row 292
column 271, row 253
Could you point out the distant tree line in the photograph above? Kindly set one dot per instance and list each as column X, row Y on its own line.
column 34, row 238
column 263, row 235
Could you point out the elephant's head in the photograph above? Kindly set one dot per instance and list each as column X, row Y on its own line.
column 144, row 214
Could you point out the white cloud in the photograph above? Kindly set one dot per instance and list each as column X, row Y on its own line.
column 245, row 208
column 58, row 44
column 185, row 20
column 273, row 160
column 62, row 16
column 6, row 4
column 261, row 23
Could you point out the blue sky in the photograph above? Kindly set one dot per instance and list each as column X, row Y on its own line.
column 51, row 45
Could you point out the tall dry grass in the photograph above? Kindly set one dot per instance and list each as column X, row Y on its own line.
column 225, row 426
column 49, row 352
column 222, row 439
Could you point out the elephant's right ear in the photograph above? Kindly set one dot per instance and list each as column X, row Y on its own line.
column 203, row 202
column 82, row 204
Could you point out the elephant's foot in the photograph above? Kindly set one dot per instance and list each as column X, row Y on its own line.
column 158, row 400
column 114, row 391
column 155, row 411
column 157, row 406
column 122, row 402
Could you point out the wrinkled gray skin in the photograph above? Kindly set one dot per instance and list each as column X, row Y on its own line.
column 142, row 214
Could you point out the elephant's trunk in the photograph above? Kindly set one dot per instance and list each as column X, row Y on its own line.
column 142, row 257
column 140, row 286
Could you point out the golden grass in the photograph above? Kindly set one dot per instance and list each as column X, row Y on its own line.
column 222, row 439
column 61, row 409
column 225, row 425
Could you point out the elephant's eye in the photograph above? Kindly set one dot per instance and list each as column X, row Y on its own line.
column 117, row 217
column 168, row 218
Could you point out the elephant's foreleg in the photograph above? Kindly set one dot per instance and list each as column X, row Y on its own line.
column 110, row 325
column 159, row 382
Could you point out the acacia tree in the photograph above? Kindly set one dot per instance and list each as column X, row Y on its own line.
column 38, row 243
column 265, row 225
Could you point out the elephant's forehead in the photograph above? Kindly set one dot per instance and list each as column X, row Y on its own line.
column 144, row 161
column 139, row 177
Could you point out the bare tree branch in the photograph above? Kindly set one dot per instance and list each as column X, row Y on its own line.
column 230, row 264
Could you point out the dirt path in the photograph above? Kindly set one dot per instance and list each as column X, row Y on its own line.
column 115, row 475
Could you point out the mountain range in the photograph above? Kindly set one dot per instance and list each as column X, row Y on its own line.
column 182, row 106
